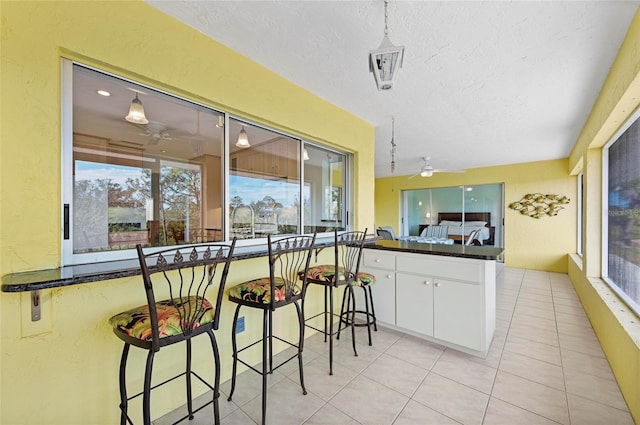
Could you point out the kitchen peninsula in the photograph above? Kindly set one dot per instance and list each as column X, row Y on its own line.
column 443, row 293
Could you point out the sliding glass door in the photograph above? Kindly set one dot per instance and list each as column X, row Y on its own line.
column 466, row 210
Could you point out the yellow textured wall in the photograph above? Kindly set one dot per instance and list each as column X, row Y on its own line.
column 540, row 244
column 63, row 369
column 617, row 328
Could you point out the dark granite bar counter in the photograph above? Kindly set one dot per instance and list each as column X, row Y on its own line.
column 461, row 251
column 95, row 272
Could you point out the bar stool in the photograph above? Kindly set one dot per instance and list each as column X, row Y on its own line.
column 364, row 281
column 184, row 273
column 343, row 272
column 289, row 260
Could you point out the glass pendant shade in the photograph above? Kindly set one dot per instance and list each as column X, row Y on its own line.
column 136, row 112
column 384, row 63
column 243, row 140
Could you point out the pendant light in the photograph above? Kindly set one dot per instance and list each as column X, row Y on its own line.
column 386, row 59
column 243, row 140
column 136, row 112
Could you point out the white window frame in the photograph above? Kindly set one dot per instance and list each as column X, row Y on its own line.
column 580, row 209
column 633, row 305
column 66, row 223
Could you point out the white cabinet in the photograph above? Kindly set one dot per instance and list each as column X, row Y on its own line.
column 382, row 265
column 457, row 313
column 449, row 300
column 414, row 303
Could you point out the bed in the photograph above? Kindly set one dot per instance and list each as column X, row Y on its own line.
column 472, row 221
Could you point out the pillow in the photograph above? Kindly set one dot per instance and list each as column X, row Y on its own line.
column 475, row 223
column 450, row 223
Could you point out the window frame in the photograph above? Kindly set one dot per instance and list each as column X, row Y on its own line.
column 633, row 305
column 68, row 257
column 580, row 216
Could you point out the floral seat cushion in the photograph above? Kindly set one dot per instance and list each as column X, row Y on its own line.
column 365, row 279
column 326, row 273
column 136, row 322
column 259, row 291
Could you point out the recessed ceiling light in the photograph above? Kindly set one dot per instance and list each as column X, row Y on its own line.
column 104, row 93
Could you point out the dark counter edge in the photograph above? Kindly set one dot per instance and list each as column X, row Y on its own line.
column 96, row 272
column 460, row 251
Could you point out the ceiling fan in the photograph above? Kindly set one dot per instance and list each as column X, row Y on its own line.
column 427, row 169
column 156, row 130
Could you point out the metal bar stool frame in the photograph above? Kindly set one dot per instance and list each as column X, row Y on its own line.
column 196, row 268
column 289, row 260
column 343, row 272
column 370, row 315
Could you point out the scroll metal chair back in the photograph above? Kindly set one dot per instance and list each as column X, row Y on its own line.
column 384, row 234
column 344, row 271
column 289, row 260
column 390, row 230
column 181, row 276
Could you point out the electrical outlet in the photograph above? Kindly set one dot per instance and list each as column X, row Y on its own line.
column 240, row 325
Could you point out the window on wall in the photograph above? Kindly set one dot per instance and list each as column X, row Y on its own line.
column 621, row 223
column 465, row 210
column 161, row 180
column 581, row 209
column 325, row 174
column 264, row 182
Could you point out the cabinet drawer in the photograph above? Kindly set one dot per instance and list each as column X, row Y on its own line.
column 441, row 266
column 379, row 259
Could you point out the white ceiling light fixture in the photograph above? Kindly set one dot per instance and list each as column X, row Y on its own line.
column 136, row 112
column 427, row 169
column 386, row 59
column 243, row 140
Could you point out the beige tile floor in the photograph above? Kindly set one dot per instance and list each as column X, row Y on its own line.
column 545, row 366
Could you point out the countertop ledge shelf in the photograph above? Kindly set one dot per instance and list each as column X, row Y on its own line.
column 460, row 251
column 95, row 272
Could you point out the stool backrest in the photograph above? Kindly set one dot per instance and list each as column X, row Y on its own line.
column 384, row 234
column 348, row 254
column 183, row 274
column 289, row 260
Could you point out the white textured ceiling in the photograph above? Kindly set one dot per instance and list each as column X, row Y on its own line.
column 483, row 83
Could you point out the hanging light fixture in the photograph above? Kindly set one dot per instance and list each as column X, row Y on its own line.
column 243, row 140
column 386, row 59
column 136, row 112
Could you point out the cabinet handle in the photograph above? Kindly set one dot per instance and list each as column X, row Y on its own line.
column 438, row 284
column 389, row 276
column 426, row 282
column 377, row 260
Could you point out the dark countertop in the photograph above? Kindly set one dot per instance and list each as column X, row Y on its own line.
column 461, row 251
column 95, row 272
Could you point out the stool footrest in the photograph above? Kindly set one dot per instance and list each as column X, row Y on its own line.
column 347, row 321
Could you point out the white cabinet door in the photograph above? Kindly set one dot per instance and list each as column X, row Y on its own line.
column 384, row 295
column 458, row 313
column 414, row 303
